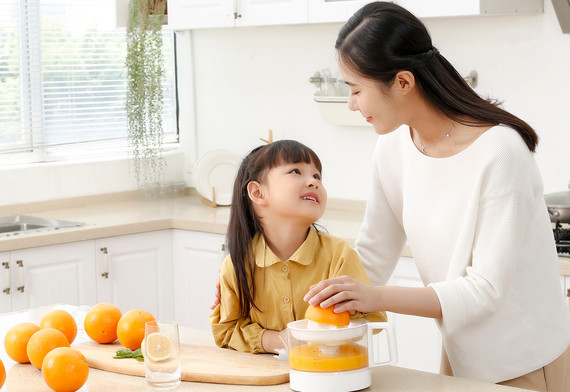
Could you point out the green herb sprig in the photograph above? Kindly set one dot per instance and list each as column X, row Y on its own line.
column 128, row 353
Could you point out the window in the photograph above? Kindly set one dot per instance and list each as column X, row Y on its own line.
column 62, row 80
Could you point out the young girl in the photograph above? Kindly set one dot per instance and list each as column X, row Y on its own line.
column 454, row 177
column 276, row 253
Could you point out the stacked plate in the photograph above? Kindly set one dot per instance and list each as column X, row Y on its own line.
column 216, row 170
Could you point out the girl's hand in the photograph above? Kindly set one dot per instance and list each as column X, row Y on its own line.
column 345, row 293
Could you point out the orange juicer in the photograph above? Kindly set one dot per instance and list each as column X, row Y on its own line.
column 334, row 359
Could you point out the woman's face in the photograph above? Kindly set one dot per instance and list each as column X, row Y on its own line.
column 375, row 104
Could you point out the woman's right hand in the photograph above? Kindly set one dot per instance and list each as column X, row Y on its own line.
column 345, row 293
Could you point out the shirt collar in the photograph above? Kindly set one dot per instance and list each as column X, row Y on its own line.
column 264, row 256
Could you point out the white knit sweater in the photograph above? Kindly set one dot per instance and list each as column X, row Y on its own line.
column 479, row 230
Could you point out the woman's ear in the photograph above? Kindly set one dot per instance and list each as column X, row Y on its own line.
column 404, row 81
column 255, row 193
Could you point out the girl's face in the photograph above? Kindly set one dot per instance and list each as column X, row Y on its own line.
column 375, row 104
column 295, row 190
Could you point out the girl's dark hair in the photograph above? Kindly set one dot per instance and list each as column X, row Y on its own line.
column 243, row 223
column 382, row 38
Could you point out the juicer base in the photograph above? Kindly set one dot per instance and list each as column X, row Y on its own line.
column 352, row 380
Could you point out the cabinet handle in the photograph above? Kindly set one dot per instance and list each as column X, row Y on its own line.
column 7, row 278
column 223, row 247
column 21, row 274
column 105, row 273
column 236, row 10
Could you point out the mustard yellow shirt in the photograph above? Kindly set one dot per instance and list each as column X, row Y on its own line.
column 280, row 288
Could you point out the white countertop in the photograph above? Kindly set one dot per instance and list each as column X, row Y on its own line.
column 127, row 213
column 384, row 378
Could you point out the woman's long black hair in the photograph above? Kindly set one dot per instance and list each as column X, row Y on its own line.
column 382, row 38
column 243, row 223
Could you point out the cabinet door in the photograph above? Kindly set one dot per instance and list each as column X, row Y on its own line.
column 271, row 12
column 197, row 260
column 418, row 338
column 333, row 10
column 6, row 283
column 135, row 272
column 195, row 14
column 53, row 274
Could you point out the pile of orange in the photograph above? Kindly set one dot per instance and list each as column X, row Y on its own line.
column 47, row 346
column 105, row 323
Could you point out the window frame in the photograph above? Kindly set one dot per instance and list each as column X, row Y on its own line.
column 31, row 153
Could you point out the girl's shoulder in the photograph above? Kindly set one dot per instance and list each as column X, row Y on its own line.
column 227, row 266
column 332, row 242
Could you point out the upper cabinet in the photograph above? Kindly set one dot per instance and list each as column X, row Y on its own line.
column 439, row 8
column 195, row 14
column 323, row 11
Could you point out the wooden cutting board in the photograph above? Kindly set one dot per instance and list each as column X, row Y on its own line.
column 199, row 363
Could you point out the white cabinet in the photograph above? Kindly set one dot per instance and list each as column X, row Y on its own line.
column 5, row 281
column 195, row 14
column 418, row 338
column 135, row 272
column 191, row 14
column 48, row 275
column 197, row 260
column 341, row 10
column 271, row 12
column 333, row 10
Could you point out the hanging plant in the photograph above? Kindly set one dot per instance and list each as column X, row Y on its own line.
column 145, row 71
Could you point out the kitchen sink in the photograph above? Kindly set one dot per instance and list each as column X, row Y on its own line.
column 19, row 224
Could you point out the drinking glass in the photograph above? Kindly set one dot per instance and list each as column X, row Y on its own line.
column 162, row 359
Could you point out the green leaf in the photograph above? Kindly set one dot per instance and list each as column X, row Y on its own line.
column 128, row 353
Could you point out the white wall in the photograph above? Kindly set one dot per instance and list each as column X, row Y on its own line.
column 248, row 80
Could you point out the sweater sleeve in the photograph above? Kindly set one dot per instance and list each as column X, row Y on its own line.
column 229, row 329
column 381, row 237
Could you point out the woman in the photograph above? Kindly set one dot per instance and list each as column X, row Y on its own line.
column 454, row 176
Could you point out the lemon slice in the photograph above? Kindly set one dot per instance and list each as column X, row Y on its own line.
column 158, row 347
column 142, row 347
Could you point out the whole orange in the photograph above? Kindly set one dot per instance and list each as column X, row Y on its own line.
column 327, row 316
column 62, row 321
column 16, row 341
column 42, row 342
column 65, row 369
column 101, row 322
column 130, row 329
column 2, row 373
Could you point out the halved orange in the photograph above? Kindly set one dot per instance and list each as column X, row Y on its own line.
column 327, row 316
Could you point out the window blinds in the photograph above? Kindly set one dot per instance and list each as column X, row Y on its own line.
column 62, row 78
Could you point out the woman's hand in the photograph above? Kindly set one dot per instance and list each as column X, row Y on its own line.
column 346, row 293
column 217, row 294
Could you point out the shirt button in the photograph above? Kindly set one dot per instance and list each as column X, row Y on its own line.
column 284, row 268
column 286, row 300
